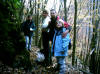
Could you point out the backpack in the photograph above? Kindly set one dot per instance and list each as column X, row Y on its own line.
column 70, row 45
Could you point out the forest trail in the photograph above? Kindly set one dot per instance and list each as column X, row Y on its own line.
column 38, row 68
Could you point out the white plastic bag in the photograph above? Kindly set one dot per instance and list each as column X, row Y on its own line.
column 31, row 29
column 40, row 57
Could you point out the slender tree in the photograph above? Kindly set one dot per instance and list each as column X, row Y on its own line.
column 74, row 38
column 65, row 10
column 95, row 59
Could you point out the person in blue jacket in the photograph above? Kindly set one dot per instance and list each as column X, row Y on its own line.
column 28, row 27
column 60, row 46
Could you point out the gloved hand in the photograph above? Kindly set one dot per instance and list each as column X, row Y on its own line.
column 62, row 52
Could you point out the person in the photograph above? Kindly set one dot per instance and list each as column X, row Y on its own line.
column 28, row 27
column 52, row 26
column 60, row 46
column 45, row 36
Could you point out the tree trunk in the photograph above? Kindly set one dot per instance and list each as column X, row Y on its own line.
column 74, row 38
column 95, row 59
column 65, row 10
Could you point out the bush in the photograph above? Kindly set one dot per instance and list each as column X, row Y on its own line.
column 12, row 43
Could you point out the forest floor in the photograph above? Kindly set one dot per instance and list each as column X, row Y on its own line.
column 39, row 68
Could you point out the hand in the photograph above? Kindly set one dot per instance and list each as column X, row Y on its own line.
column 65, row 33
column 31, row 29
column 62, row 52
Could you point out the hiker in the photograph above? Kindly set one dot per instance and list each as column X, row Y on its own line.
column 53, row 22
column 45, row 36
column 28, row 27
column 60, row 46
column 52, row 26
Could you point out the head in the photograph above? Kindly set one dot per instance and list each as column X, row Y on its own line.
column 29, row 17
column 53, row 13
column 59, row 23
column 45, row 13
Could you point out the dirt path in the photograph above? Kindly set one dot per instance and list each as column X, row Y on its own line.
column 37, row 68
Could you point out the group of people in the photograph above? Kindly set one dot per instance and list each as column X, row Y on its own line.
column 54, row 30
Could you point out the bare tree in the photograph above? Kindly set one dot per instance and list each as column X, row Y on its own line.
column 65, row 10
column 74, row 38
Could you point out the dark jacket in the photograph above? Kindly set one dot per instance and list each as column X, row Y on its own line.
column 52, row 26
column 26, row 28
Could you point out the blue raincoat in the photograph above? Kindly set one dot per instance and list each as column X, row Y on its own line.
column 60, row 44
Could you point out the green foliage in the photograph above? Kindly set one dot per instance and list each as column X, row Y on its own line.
column 12, row 42
column 23, row 61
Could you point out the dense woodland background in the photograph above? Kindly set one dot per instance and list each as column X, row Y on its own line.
column 83, row 15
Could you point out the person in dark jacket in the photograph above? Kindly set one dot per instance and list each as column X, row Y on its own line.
column 28, row 27
column 53, row 22
column 52, row 26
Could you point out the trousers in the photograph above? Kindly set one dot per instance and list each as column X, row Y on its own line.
column 28, row 40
